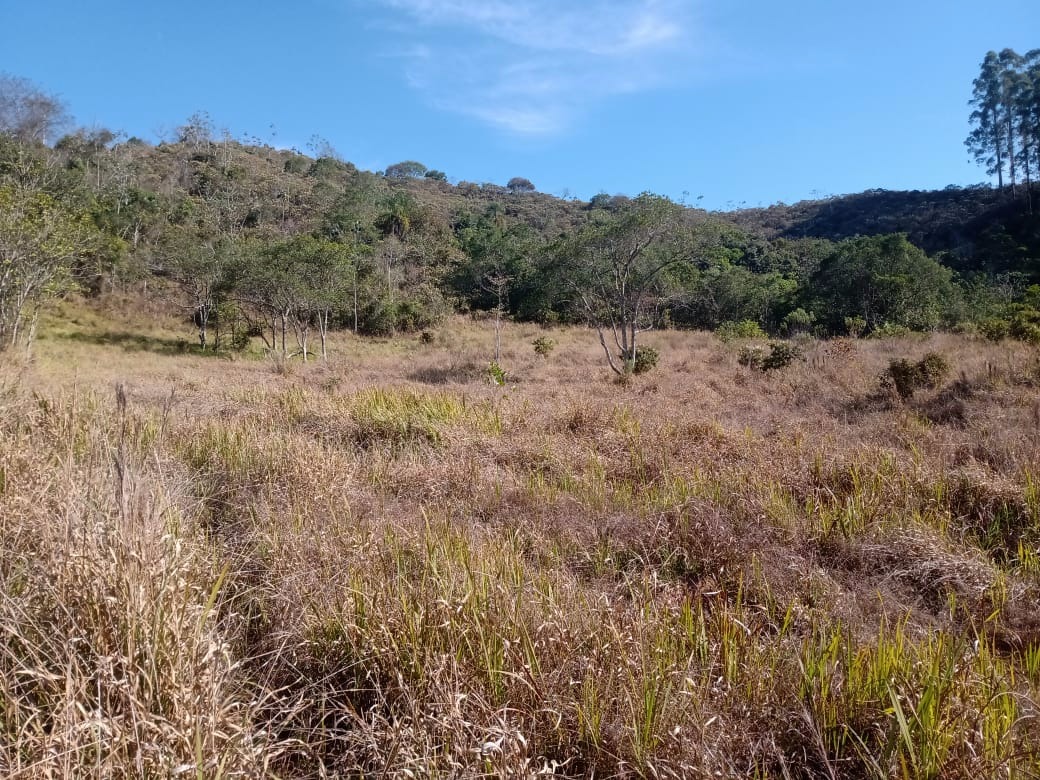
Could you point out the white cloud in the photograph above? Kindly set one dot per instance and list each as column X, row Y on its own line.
column 532, row 66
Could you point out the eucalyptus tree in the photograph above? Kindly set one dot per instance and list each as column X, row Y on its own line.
column 1005, row 121
column 986, row 141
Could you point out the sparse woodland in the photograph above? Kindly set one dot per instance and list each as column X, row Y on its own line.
column 307, row 471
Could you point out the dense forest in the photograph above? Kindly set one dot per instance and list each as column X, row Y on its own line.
column 253, row 242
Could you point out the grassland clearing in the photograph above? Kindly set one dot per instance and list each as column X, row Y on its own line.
column 387, row 566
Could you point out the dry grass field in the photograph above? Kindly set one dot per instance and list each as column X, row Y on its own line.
column 387, row 567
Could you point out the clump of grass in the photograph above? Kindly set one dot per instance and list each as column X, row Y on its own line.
column 907, row 377
column 397, row 417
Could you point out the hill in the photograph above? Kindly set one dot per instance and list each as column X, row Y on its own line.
column 970, row 229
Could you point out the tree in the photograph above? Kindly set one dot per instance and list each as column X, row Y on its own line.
column 314, row 272
column 398, row 212
column 1006, row 120
column 519, row 184
column 986, row 141
column 883, row 279
column 40, row 240
column 436, row 175
column 408, row 169
column 28, row 113
column 197, row 132
column 200, row 267
column 1010, row 82
column 615, row 267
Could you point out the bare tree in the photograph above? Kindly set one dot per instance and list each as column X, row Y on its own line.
column 27, row 112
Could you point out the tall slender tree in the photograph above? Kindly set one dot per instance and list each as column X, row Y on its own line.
column 1010, row 88
column 986, row 141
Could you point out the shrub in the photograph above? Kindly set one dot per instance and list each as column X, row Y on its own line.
column 798, row 321
column 891, row 331
column 646, row 359
column 854, row 326
column 781, row 354
column 496, row 375
column 543, row 345
column 1025, row 329
column 745, row 329
column 907, row 377
column 752, row 356
column 995, row 328
column 426, row 337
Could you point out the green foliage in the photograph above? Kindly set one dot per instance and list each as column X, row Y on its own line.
column 734, row 331
column 646, row 359
column 435, row 175
column 398, row 212
column 40, row 240
column 907, row 377
column 890, row 330
column 780, row 355
column 798, row 321
column 854, row 326
column 495, row 374
column 617, row 265
column 543, row 345
column 297, row 164
column 752, row 356
column 408, row 169
column 883, row 279
column 1026, row 326
column 520, row 184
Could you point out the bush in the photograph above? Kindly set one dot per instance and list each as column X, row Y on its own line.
column 745, row 329
column 543, row 345
column 646, row 359
column 798, row 321
column 780, row 355
column 496, row 375
column 995, row 328
column 752, row 356
column 891, row 331
column 1025, row 329
column 854, row 326
column 907, row 378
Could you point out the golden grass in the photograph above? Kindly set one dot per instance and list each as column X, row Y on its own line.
column 386, row 566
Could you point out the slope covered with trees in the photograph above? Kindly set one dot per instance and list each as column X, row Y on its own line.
column 250, row 242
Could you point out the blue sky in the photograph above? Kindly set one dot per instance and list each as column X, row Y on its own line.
column 723, row 103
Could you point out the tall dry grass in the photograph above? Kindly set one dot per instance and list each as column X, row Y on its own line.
column 387, row 567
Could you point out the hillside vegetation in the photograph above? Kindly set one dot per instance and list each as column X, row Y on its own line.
column 247, row 242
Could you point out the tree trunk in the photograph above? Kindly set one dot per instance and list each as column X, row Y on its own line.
column 323, row 330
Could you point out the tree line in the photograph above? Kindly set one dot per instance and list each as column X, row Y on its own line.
column 252, row 244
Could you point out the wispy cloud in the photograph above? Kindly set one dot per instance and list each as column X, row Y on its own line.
column 531, row 67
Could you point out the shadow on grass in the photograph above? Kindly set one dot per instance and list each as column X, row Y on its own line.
column 135, row 342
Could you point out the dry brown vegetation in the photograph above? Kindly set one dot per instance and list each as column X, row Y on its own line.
column 388, row 567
